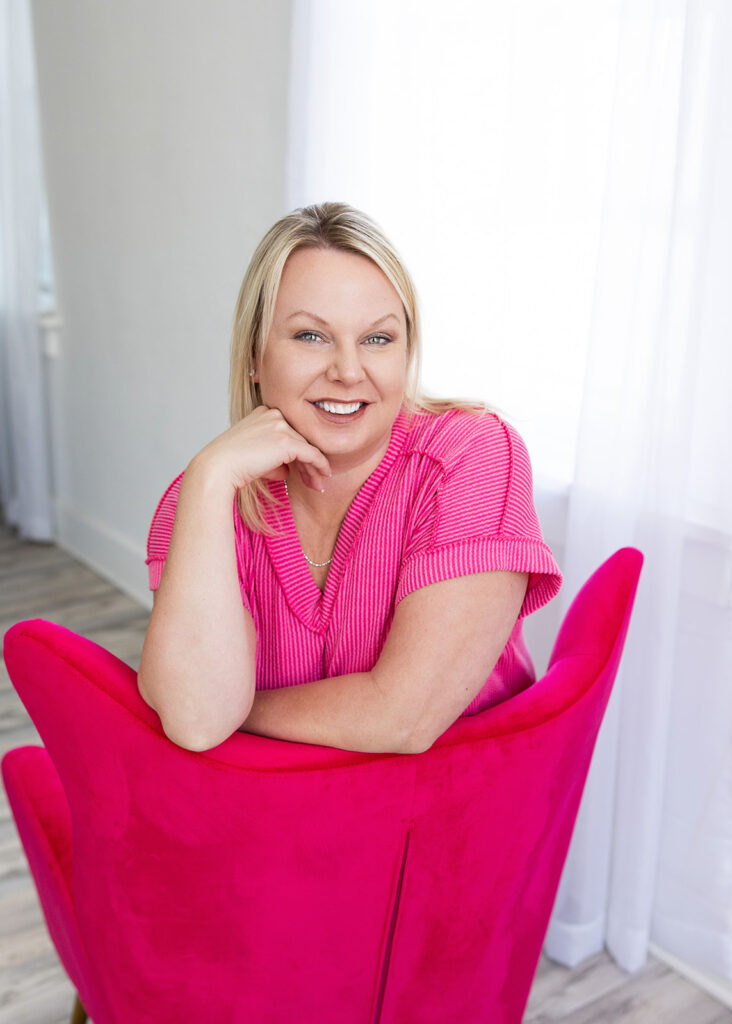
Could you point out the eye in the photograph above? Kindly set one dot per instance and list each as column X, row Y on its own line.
column 380, row 340
column 306, row 336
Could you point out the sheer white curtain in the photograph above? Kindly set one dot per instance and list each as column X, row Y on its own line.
column 24, row 462
column 556, row 176
column 652, row 856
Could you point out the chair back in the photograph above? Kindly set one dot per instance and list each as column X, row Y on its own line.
column 268, row 881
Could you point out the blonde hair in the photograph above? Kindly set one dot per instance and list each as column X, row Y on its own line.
column 321, row 226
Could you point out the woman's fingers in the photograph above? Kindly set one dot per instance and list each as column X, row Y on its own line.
column 314, row 464
column 263, row 445
column 311, row 478
column 309, row 463
column 319, row 462
column 309, row 474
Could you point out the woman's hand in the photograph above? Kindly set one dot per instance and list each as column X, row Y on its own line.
column 198, row 666
column 263, row 445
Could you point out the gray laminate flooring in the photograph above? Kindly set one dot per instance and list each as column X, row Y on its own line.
column 42, row 581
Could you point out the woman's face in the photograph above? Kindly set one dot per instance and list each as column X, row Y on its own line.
column 335, row 359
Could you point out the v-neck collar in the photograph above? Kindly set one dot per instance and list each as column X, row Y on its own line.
column 312, row 606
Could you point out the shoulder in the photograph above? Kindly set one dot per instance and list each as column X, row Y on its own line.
column 472, row 474
column 474, row 510
column 459, row 435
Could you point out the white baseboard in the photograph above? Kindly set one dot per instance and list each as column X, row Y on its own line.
column 718, row 987
column 107, row 552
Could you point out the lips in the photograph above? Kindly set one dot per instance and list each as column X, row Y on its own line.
column 339, row 408
column 349, row 412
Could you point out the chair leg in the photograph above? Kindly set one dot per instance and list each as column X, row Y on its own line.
column 78, row 1014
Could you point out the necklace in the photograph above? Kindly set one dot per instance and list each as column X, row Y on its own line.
column 317, row 565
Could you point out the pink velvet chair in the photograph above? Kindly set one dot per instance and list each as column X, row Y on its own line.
column 266, row 882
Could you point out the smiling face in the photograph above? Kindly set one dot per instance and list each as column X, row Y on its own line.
column 335, row 359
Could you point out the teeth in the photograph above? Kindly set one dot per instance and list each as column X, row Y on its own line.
column 342, row 410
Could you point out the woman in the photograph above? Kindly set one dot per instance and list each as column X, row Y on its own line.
column 346, row 534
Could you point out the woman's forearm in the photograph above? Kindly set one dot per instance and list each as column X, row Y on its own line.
column 351, row 712
column 198, row 660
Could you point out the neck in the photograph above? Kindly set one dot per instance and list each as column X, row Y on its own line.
column 339, row 489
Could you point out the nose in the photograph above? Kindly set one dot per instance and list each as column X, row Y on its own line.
column 345, row 365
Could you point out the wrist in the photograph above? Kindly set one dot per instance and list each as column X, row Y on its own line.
column 205, row 473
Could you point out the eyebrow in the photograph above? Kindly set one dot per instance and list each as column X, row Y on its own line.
column 324, row 323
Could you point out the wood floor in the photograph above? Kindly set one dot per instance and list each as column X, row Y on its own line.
column 41, row 581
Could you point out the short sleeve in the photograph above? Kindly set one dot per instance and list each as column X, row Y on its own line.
column 161, row 531
column 478, row 514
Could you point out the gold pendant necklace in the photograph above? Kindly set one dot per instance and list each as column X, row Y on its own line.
column 317, row 565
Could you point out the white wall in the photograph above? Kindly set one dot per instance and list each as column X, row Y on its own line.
column 164, row 132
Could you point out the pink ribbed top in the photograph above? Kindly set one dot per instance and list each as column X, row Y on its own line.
column 452, row 496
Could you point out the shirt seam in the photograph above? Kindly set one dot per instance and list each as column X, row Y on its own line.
column 510, row 537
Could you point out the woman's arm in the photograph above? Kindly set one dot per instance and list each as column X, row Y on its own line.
column 199, row 657
column 198, row 660
column 443, row 644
